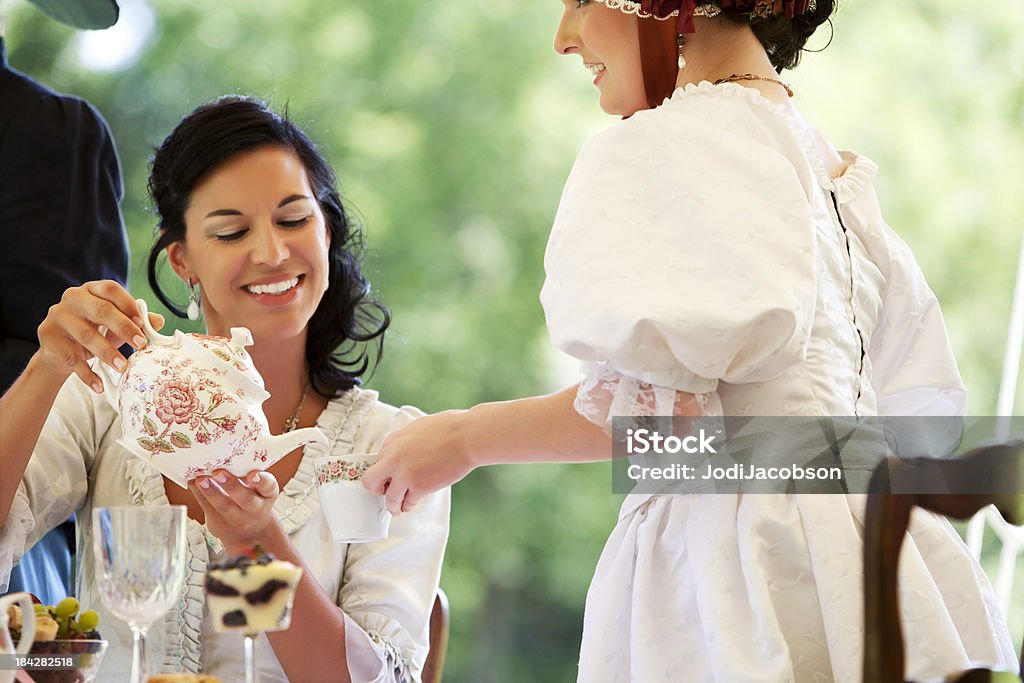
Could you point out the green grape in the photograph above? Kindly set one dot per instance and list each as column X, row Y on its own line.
column 39, row 608
column 88, row 620
column 67, row 607
column 62, row 627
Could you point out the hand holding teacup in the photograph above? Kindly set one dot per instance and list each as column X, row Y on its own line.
column 353, row 514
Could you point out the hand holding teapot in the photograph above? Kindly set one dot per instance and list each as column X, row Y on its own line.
column 92, row 321
column 189, row 403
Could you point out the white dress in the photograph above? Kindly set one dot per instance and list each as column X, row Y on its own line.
column 385, row 588
column 701, row 247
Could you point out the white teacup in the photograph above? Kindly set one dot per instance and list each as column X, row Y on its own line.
column 354, row 514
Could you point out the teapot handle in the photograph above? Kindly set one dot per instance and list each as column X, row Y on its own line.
column 28, row 619
column 154, row 336
column 111, row 379
column 111, row 383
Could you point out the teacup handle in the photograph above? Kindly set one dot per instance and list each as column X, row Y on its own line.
column 28, row 619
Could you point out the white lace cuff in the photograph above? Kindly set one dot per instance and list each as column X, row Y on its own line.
column 14, row 535
column 605, row 393
column 373, row 655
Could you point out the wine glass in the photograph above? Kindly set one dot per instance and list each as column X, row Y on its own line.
column 140, row 567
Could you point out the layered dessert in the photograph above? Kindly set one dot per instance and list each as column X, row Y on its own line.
column 251, row 594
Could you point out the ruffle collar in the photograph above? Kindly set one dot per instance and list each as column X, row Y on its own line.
column 339, row 421
column 859, row 171
column 857, row 176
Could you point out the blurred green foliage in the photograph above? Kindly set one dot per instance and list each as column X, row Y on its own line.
column 453, row 125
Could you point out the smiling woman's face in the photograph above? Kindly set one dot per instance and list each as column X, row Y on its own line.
column 608, row 42
column 256, row 241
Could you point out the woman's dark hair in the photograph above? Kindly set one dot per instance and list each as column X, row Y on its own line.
column 346, row 333
column 784, row 39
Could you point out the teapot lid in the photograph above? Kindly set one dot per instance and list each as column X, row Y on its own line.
column 240, row 338
column 229, row 351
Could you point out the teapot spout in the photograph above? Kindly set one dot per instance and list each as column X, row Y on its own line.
column 279, row 445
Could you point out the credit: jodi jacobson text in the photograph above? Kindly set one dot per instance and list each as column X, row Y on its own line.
column 735, row 472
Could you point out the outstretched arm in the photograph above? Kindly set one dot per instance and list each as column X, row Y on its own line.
column 438, row 450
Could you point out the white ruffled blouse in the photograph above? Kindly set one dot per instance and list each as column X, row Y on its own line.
column 385, row 589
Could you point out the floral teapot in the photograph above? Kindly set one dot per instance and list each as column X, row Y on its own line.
column 192, row 403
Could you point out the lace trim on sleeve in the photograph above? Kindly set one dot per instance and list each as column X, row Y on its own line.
column 393, row 660
column 14, row 535
column 604, row 393
column 376, row 635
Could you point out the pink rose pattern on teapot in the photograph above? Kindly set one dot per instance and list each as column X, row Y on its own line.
column 191, row 403
column 186, row 404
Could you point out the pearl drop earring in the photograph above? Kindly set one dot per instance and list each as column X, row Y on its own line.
column 193, row 302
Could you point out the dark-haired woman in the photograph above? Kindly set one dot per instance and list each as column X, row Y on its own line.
column 712, row 252
column 251, row 220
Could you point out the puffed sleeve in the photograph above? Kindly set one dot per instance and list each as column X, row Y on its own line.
column 913, row 370
column 681, row 255
column 388, row 586
column 918, row 388
column 55, row 482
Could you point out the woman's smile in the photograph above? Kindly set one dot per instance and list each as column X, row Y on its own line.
column 605, row 39
column 256, row 231
column 275, row 291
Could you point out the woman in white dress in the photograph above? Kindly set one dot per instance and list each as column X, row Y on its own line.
column 245, row 200
column 713, row 251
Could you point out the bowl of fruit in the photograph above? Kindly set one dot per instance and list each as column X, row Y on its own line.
column 62, row 631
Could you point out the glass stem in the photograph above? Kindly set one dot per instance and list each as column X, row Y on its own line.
column 250, row 658
column 140, row 667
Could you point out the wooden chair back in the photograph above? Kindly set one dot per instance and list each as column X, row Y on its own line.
column 988, row 475
column 439, row 621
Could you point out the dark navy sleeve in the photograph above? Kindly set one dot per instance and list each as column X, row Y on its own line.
column 60, row 221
